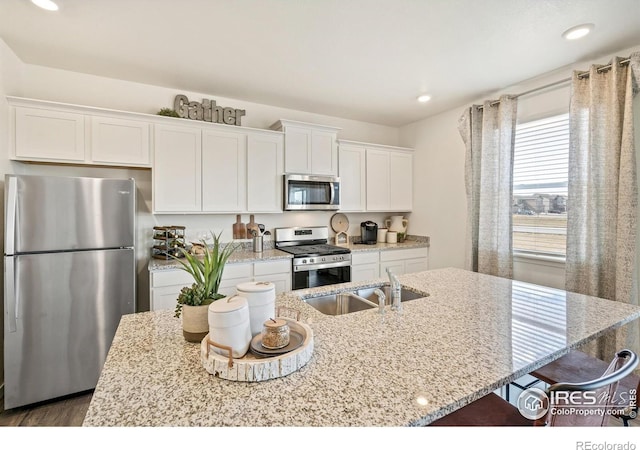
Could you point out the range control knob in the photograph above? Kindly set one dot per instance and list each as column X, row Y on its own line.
column 323, row 259
column 311, row 260
column 304, row 261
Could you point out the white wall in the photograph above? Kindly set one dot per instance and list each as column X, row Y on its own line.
column 440, row 199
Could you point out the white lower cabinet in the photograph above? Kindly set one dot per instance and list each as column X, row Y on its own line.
column 373, row 264
column 404, row 261
column 365, row 266
column 165, row 285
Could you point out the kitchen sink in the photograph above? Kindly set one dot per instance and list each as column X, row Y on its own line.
column 346, row 302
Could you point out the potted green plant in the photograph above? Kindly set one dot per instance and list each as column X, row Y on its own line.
column 206, row 270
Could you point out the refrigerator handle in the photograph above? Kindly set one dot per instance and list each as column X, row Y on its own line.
column 10, row 219
column 10, row 294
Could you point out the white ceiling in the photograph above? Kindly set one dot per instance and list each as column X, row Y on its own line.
column 360, row 59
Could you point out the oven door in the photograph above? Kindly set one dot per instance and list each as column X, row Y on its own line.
column 321, row 276
column 308, row 192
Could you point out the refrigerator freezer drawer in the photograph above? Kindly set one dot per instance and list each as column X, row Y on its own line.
column 61, row 312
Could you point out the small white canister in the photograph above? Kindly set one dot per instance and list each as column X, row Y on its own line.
column 261, row 296
column 229, row 325
column 392, row 237
column 382, row 235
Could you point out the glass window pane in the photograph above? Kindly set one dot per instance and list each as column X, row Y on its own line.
column 540, row 171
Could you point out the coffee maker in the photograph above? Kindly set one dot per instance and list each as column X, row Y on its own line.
column 368, row 232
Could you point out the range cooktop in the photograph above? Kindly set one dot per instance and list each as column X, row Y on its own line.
column 315, row 250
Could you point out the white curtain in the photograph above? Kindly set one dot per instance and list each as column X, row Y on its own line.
column 602, row 205
column 489, row 136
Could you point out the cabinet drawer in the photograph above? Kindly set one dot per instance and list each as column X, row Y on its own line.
column 364, row 258
column 268, row 268
column 232, row 271
column 395, row 255
column 171, row 278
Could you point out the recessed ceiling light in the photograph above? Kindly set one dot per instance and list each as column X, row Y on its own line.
column 45, row 4
column 424, row 98
column 578, row 31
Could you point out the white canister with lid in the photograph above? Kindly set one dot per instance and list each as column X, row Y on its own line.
column 229, row 325
column 261, row 296
column 382, row 235
column 392, row 237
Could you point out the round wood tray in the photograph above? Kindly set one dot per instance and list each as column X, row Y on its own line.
column 254, row 368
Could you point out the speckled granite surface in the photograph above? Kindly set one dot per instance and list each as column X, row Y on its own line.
column 473, row 334
column 245, row 254
column 411, row 242
column 239, row 256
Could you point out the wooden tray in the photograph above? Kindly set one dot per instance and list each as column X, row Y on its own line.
column 254, row 368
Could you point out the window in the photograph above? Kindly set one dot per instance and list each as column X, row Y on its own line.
column 540, row 170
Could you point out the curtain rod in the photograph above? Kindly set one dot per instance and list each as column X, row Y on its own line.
column 555, row 83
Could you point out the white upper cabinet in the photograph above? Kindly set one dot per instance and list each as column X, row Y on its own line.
column 375, row 177
column 60, row 133
column 352, row 172
column 224, row 157
column 120, row 141
column 42, row 134
column 216, row 169
column 378, row 180
column 401, row 181
column 264, row 172
column 389, row 179
column 309, row 148
column 177, row 169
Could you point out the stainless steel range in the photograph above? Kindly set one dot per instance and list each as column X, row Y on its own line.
column 315, row 263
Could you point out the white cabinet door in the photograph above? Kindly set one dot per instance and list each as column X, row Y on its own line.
column 396, row 267
column 264, row 172
column 233, row 275
column 415, row 265
column 378, row 181
column 400, row 181
column 164, row 298
column 119, row 141
column 277, row 272
column 352, row 170
column 324, row 153
column 365, row 272
column 177, row 183
column 297, row 144
column 42, row 134
column 282, row 281
column 223, row 171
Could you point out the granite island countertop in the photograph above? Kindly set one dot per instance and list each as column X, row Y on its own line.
column 471, row 335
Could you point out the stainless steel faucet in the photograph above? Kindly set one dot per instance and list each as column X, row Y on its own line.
column 396, row 291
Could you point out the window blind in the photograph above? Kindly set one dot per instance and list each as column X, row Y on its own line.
column 540, row 172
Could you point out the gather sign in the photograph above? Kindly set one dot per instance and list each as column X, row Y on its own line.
column 207, row 111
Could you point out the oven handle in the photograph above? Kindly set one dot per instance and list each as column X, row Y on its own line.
column 308, row 268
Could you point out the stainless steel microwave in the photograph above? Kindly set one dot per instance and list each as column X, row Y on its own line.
column 311, row 192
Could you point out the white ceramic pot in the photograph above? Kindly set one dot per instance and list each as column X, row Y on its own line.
column 382, row 235
column 261, row 296
column 392, row 237
column 229, row 325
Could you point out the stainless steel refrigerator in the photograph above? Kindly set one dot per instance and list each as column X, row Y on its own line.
column 69, row 276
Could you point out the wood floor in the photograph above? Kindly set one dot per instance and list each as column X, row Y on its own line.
column 64, row 412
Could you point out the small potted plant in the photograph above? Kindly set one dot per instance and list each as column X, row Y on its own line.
column 193, row 302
